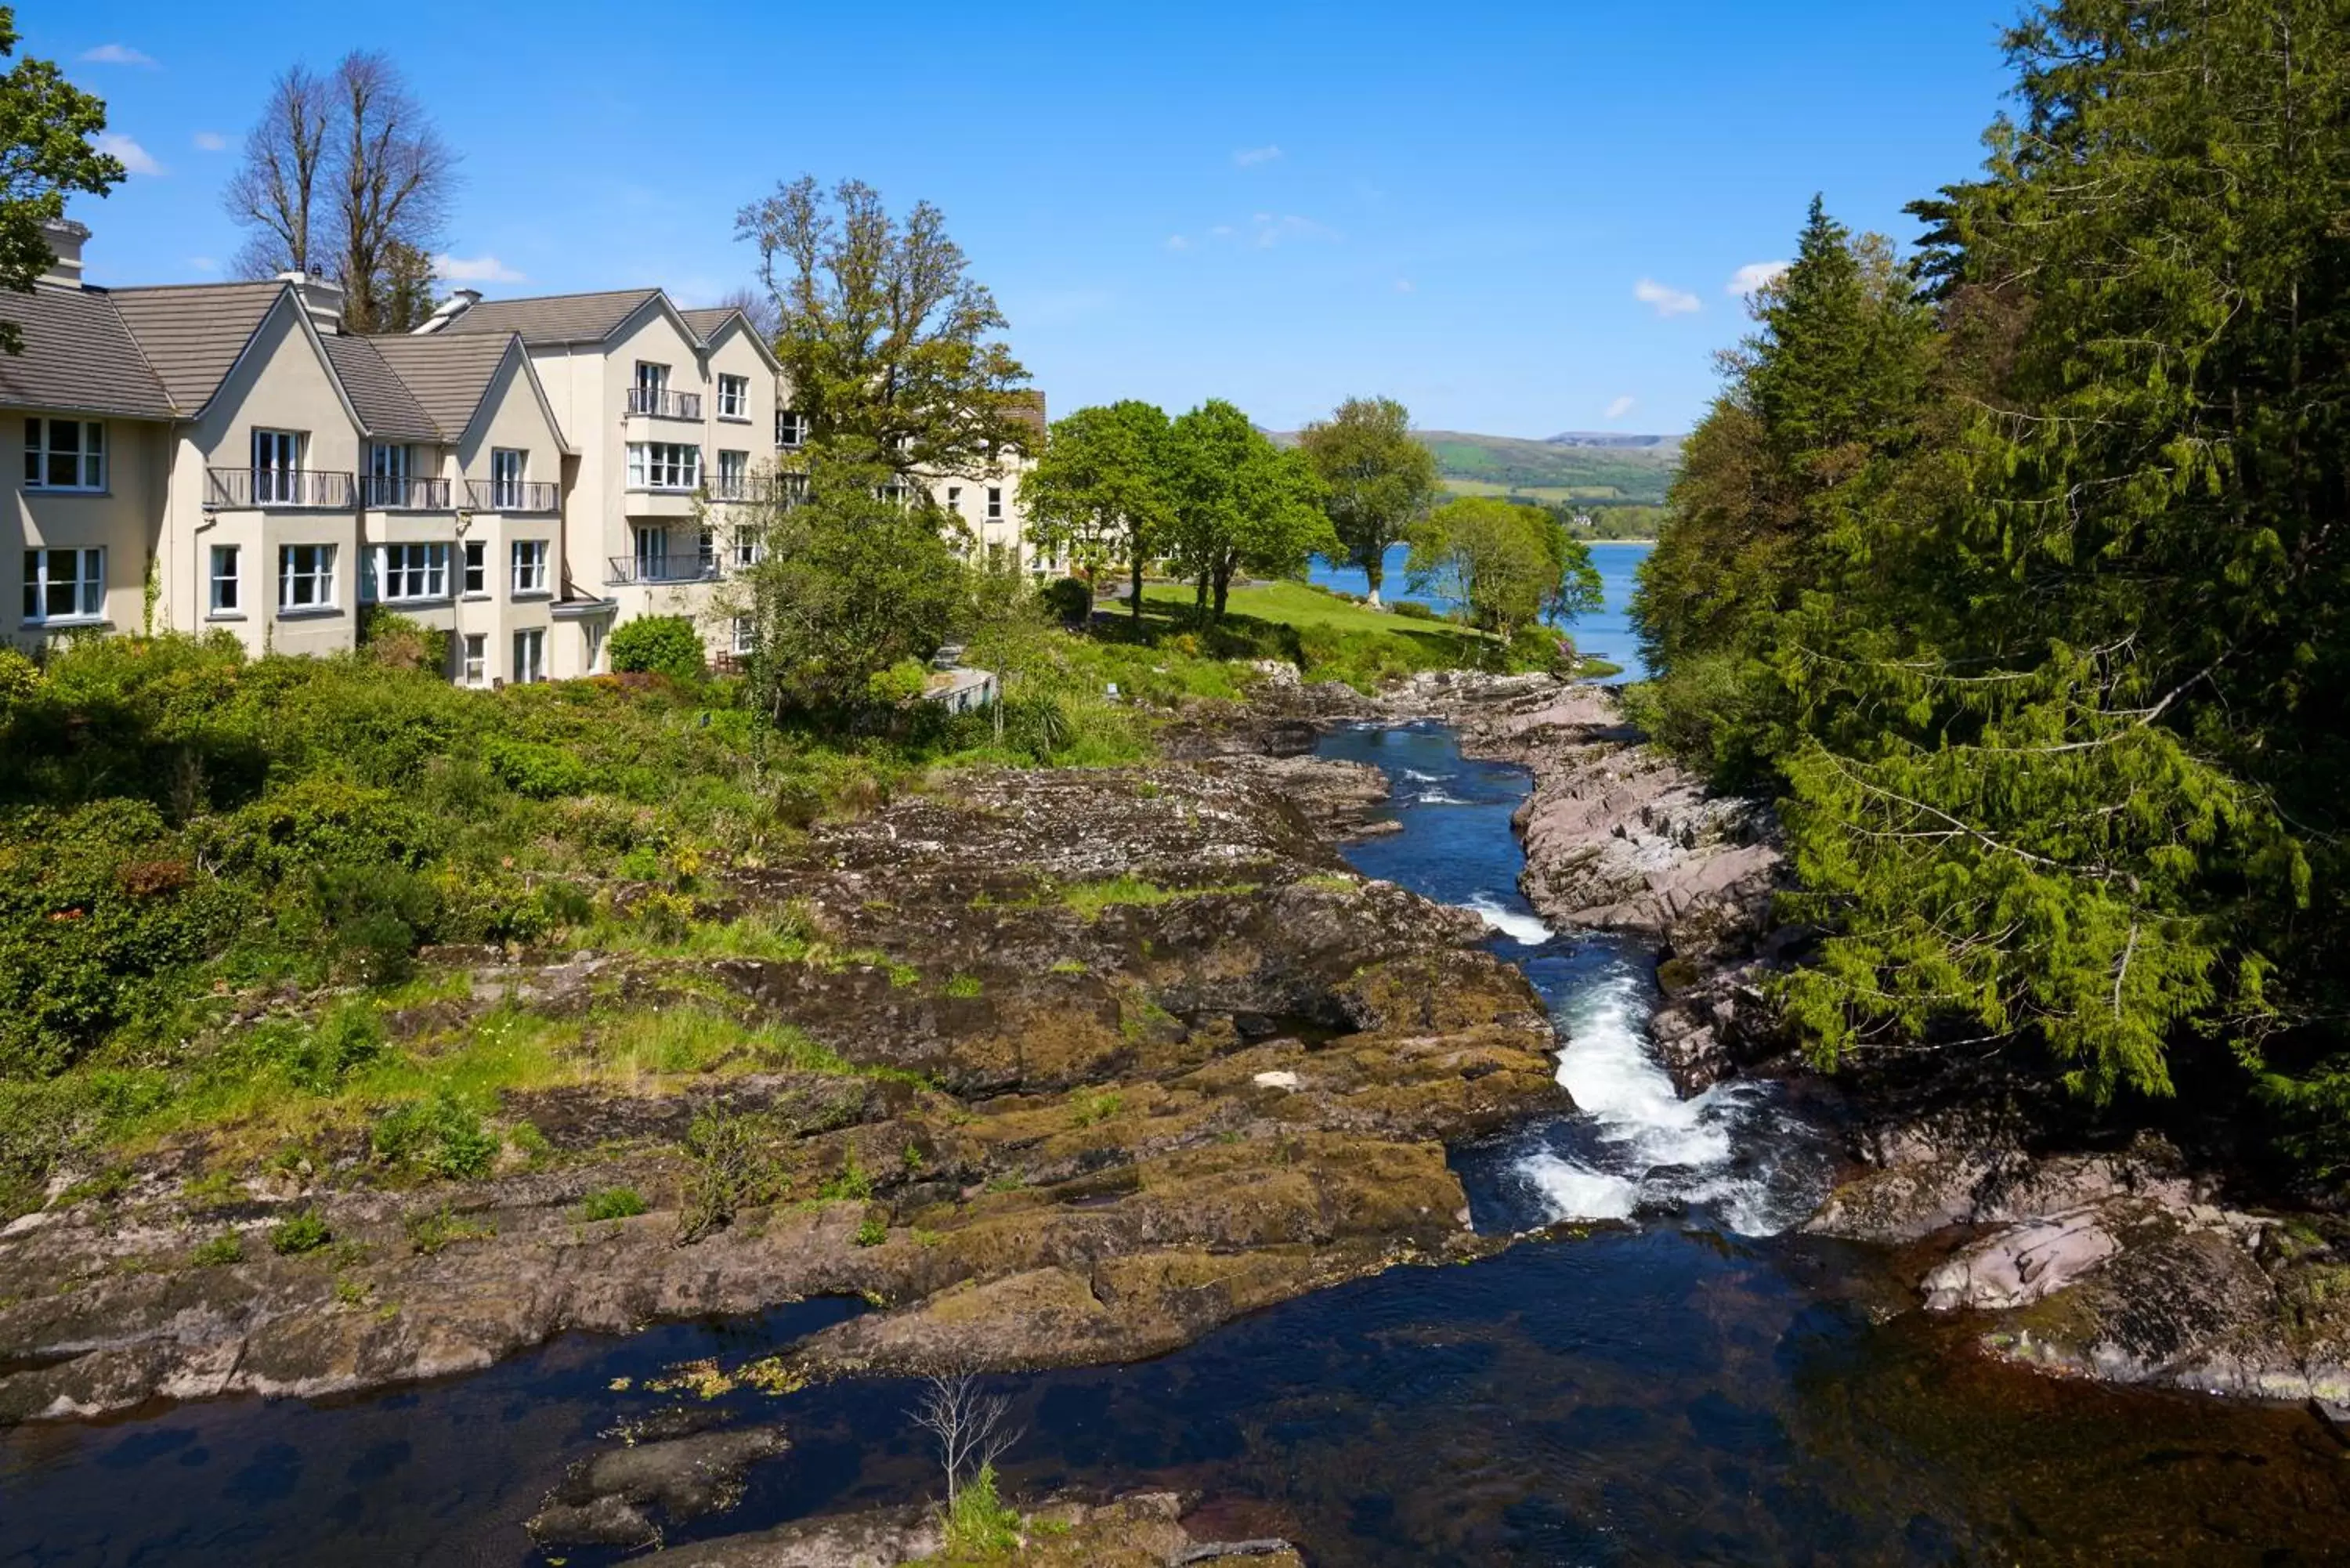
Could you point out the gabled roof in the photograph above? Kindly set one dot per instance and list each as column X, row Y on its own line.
column 388, row 409
column 552, row 319
column 449, row 375
column 79, row 357
column 452, row 375
column 706, row 322
column 192, row 333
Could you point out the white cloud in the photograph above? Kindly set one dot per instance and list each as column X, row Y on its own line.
column 1752, row 278
column 203, row 264
column 1177, row 242
column 1220, row 232
column 211, row 141
column 1621, row 406
column 474, row 269
column 1667, row 301
column 1250, row 157
column 135, row 158
column 116, row 54
column 1405, row 286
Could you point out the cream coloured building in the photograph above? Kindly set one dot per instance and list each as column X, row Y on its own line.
column 522, row 474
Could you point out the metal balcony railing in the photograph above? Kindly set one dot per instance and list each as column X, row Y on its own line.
column 638, row 569
column 385, row 492
column 238, row 487
column 511, row 496
column 662, row 404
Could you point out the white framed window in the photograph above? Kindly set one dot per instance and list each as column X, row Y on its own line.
column 278, row 466
column 530, row 655
column 749, row 548
column 996, row 503
column 733, row 397
column 735, row 475
column 591, row 646
column 652, row 379
column 477, row 570
column 791, row 428
column 64, row 586
column 408, row 572
column 387, row 475
column 530, row 566
column 65, row 455
column 664, row 465
column 705, row 552
column 744, row 640
column 508, row 468
column 227, row 600
column 306, row 576
column 954, row 499
column 474, row 668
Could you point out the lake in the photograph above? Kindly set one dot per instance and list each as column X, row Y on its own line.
column 1606, row 633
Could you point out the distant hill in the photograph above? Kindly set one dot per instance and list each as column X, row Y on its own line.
column 1576, row 466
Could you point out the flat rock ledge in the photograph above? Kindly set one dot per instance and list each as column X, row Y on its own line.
column 1072, row 1126
column 1144, row 1530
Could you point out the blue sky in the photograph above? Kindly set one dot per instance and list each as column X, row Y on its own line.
column 1517, row 219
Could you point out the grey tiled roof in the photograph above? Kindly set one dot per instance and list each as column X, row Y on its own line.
column 705, row 322
column 386, row 409
column 449, row 374
column 555, row 318
column 78, row 357
column 192, row 333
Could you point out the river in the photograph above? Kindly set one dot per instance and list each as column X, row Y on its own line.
column 1605, row 633
column 1683, row 1379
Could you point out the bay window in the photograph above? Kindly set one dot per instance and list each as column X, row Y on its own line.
column 64, row 586
column 664, row 465
column 413, row 571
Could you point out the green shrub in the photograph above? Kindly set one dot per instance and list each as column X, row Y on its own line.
column 900, row 682
column 659, row 645
column 732, row 1167
column 440, row 1137
column 539, row 772
column 1412, row 610
column 429, row 1233
column 978, row 1523
column 873, row 1231
column 398, row 642
column 1070, row 600
column 611, row 1203
column 303, row 1232
column 227, row 1247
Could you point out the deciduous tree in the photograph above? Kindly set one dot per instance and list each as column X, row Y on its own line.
column 1378, row 481
column 1506, row 566
column 1241, row 502
column 1104, row 483
column 891, row 346
column 48, row 129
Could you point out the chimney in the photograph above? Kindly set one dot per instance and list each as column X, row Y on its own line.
column 459, row 302
column 321, row 296
column 65, row 237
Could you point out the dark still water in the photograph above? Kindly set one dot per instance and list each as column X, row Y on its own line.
column 1690, row 1385
column 1606, row 633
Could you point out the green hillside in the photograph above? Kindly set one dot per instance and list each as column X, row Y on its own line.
column 1560, row 470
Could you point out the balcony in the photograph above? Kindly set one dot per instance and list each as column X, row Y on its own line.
column 236, row 488
column 650, row 571
column 386, row 493
column 660, row 403
column 515, row 495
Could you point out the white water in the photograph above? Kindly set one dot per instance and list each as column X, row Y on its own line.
column 1523, row 929
column 1639, row 1145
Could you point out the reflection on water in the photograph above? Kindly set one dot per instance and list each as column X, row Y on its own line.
column 1671, row 1391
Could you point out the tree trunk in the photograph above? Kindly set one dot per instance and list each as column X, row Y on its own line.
column 1134, row 602
column 1223, row 588
column 1374, row 571
column 1200, row 599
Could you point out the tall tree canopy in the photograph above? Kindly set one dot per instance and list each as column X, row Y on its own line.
column 890, row 345
column 1377, row 482
column 346, row 175
column 48, row 130
column 1506, row 566
column 1240, row 504
column 1104, row 485
column 2045, row 618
